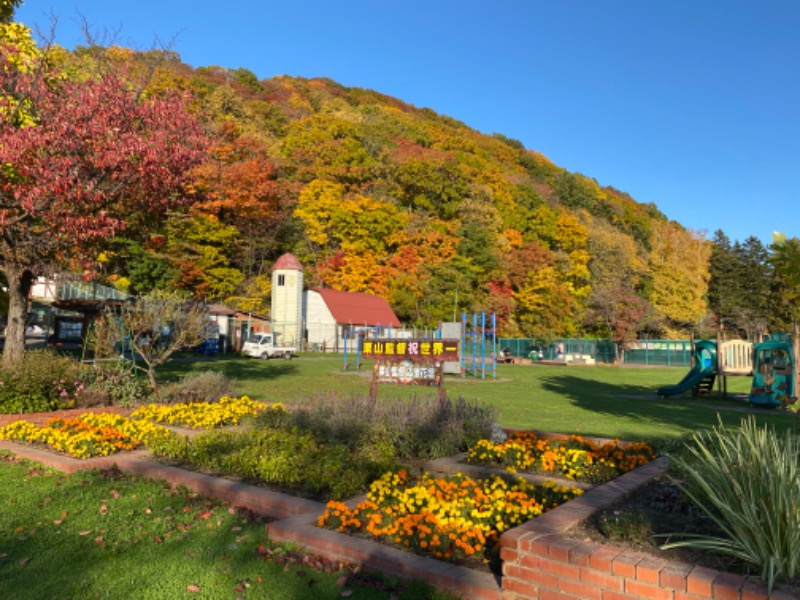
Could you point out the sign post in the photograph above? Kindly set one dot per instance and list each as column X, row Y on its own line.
column 409, row 361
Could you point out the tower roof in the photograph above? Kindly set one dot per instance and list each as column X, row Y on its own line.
column 287, row 262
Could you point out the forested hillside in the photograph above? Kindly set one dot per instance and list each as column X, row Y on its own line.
column 375, row 195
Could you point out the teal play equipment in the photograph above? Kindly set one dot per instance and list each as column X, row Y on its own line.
column 771, row 364
column 700, row 379
column 773, row 376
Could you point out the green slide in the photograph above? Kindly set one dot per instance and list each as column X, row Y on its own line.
column 693, row 378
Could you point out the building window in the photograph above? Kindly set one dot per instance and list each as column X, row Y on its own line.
column 281, row 280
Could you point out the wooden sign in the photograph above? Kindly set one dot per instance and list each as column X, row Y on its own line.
column 409, row 362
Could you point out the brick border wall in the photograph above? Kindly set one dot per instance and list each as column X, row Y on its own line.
column 467, row 583
column 541, row 563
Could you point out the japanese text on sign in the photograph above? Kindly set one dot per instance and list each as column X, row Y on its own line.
column 407, row 372
column 413, row 350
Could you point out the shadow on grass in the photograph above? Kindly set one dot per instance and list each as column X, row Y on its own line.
column 641, row 405
column 234, row 367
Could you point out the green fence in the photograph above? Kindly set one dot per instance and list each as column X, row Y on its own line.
column 666, row 353
column 669, row 353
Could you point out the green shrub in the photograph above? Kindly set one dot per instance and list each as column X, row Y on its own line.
column 207, row 386
column 41, row 381
column 748, row 482
column 284, row 458
column 15, row 401
column 335, row 473
column 115, row 382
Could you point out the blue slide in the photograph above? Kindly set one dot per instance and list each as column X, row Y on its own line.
column 693, row 378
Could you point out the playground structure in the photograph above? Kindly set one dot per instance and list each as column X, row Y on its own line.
column 700, row 378
column 714, row 361
column 774, row 373
column 474, row 346
column 770, row 363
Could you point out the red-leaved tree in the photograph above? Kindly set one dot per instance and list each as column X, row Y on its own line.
column 79, row 159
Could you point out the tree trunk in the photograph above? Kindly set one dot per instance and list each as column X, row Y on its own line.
column 20, row 281
column 151, row 378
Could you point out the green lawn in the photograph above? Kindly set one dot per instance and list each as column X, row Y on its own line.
column 113, row 536
column 601, row 400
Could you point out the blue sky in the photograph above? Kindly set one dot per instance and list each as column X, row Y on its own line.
column 693, row 105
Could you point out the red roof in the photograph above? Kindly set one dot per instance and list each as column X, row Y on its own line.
column 287, row 262
column 350, row 308
column 219, row 309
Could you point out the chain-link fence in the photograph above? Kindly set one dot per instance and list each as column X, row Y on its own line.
column 666, row 353
column 675, row 353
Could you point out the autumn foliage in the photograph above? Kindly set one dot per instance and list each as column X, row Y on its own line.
column 80, row 159
column 372, row 194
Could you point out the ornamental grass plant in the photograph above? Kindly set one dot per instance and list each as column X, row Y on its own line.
column 205, row 386
column 406, row 429
column 747, row 480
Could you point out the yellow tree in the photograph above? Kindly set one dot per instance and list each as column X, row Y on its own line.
column 349, row 235
column 201, row 248
column 679, row 269
column 566, row 238
column 545, row 306
column 618, row 268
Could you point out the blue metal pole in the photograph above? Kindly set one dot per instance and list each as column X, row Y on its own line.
column 483, row 345
column 494, row 343
column 474, row 344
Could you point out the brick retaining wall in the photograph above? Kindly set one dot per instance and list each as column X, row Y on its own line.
column 541, row 562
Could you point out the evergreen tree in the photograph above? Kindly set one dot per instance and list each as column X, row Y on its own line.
column 723, row 286
column 754, row 275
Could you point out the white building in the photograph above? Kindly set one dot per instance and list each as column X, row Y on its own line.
column 331, row 315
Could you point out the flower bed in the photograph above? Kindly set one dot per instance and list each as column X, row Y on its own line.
column 87, row 435
column 452, row 518
column 206, row 415
column 101, row 434
column 571, row 457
